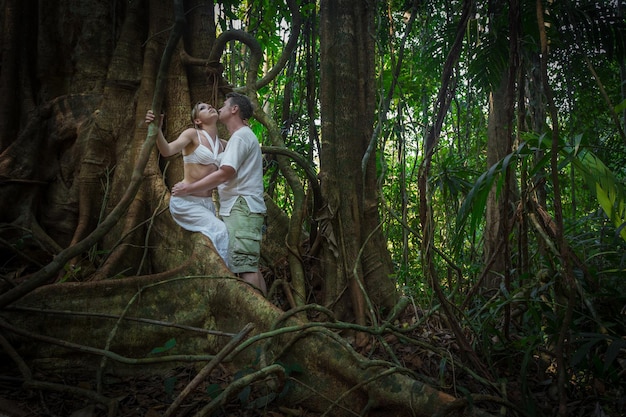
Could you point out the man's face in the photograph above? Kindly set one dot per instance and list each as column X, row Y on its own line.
column 225, row 110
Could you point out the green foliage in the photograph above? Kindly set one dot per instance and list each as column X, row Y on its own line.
column 591, row 173
column 214, row 390
column 490, row 52
column 596, row 25
column 536, row 312
column 597, row 353
column 71, row 272
column 170, row 344
column 169, row 386
column 473, row 207
column 609, row 192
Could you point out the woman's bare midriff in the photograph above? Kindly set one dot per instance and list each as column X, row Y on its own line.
column 194, row 172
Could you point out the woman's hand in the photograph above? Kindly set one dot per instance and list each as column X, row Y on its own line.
column 150, row 118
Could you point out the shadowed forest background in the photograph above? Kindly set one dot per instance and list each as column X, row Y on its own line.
column 445, row 182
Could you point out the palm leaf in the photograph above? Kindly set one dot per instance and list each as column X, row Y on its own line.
column 609, row 191
column 475, row 203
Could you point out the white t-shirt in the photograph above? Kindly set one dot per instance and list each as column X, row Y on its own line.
column 243, row 153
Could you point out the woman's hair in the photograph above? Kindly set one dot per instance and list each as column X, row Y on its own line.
column 243, row 102
column 194, row 113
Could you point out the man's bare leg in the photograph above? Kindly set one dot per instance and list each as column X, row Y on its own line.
column 256, row 279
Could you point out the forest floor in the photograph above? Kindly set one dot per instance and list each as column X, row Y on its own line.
column 150, row 396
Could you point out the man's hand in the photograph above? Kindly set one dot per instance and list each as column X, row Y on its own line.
column 180, row 189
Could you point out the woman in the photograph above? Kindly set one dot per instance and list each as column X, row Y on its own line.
column 201, row 149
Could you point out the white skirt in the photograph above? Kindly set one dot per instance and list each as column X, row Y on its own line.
column 197, row 214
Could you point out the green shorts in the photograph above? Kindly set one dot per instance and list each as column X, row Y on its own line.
column 245, row 231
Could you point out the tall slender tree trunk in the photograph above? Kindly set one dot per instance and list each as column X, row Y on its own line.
column 356, row 256
column 499, row 213
column 499, row 216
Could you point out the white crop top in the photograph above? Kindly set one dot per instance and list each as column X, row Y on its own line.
column 203, row 154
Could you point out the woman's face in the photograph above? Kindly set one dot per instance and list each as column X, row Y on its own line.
column 204, row 113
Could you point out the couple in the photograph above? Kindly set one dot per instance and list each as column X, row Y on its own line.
column 235, row 168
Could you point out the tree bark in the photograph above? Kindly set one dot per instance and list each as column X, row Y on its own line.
column 498, row 213
column 355, row 257
column 499, row 216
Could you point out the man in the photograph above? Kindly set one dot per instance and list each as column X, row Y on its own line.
column 239, row 180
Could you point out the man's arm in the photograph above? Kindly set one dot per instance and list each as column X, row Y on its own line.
column 223, row 174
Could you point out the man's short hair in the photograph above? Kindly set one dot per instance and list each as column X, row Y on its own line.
column 244, row 104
